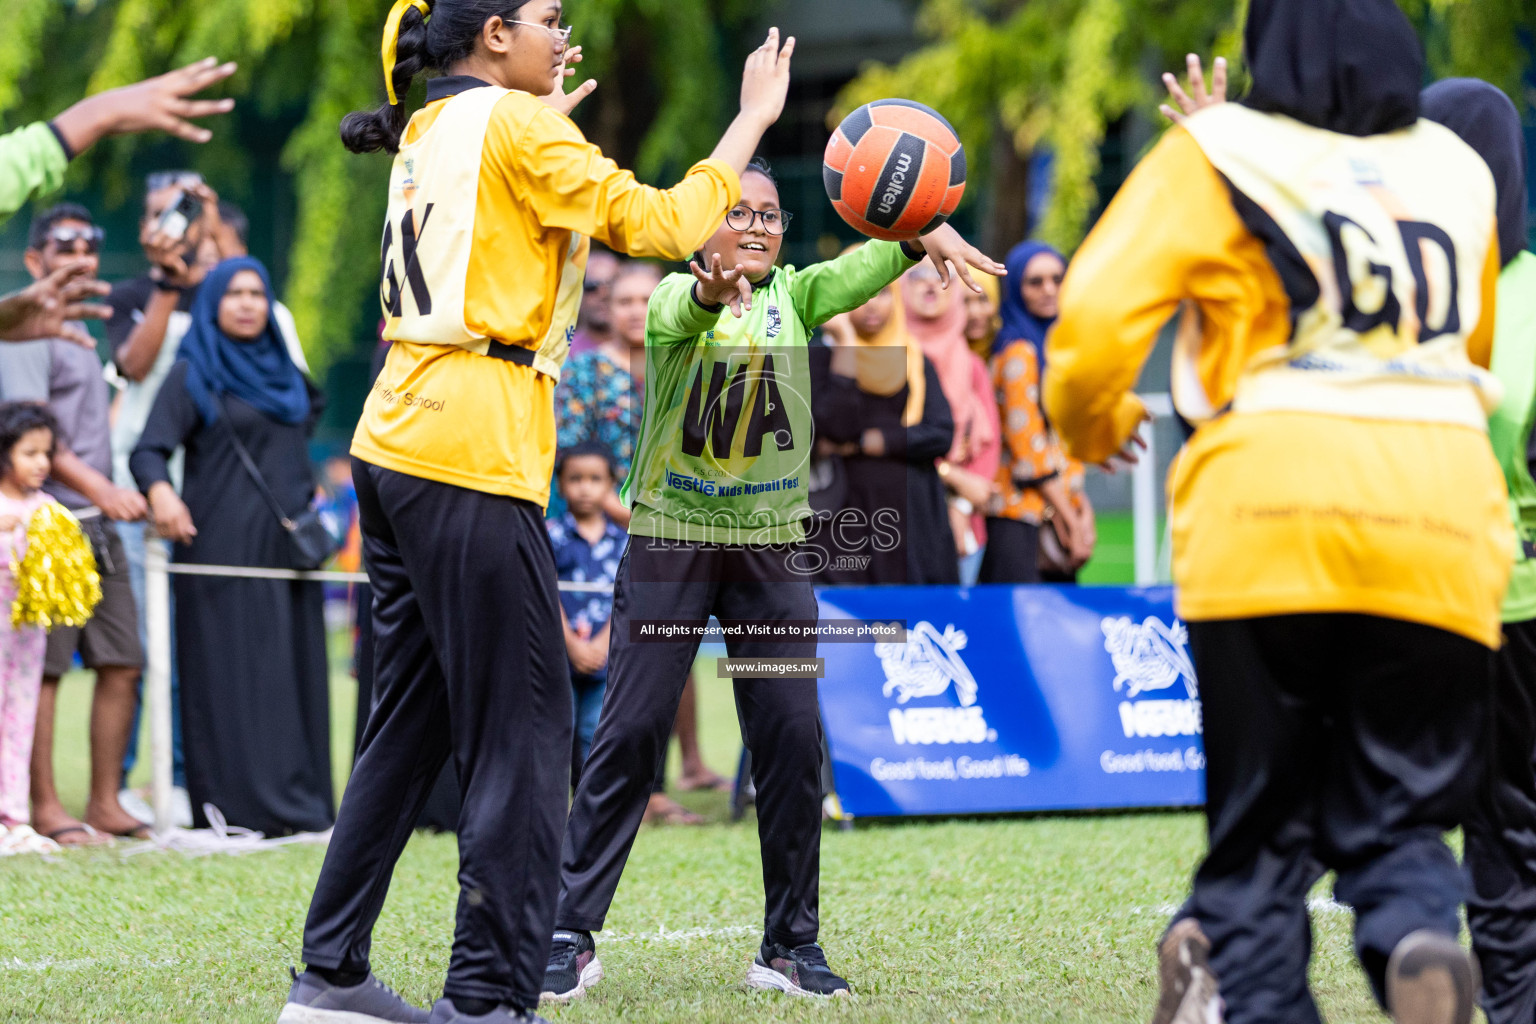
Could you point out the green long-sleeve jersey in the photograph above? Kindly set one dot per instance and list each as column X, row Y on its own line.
column 726, row 434
column 32, row 160
column 1509, row 428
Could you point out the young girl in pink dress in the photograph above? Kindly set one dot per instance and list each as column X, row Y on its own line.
column 27, row 434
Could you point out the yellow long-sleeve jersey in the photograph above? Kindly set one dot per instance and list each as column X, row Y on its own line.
column 1340, row 461
column 493, row 197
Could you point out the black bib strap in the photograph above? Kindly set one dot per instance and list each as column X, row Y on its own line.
column 519, row 354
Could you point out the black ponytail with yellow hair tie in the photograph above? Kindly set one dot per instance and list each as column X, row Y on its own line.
column 419, row 35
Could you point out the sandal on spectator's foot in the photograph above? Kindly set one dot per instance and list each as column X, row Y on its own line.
column 24, row 839
column 139, row 831
column 663, row 810
column 64, row 835
column 699, row 783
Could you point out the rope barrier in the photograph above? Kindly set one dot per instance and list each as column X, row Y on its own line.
column 253, row 572
column 158, row 570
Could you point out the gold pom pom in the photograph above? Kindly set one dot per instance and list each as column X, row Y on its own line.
column 56, row 580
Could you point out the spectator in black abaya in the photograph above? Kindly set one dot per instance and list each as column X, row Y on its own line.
column 254, row 677
column 880, row 409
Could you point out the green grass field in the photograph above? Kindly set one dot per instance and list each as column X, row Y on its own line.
column 1021, row 919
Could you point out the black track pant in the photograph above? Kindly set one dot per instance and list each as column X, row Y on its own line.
column 782, row 727
column 1501, row 839
column 469, row 660
column 1347, row 741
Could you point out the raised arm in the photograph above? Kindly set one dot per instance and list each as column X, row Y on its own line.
column 823, row 290
column 1167, row 236
column 32, row 161
column 573, row 186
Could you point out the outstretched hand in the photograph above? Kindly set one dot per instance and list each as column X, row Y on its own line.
column 155, row 104
column 46, row 307
column 947, row 250
column 721, row 287
column 1197, row 98
column 563, row 101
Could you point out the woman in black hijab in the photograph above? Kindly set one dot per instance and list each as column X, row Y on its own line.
column 1350, row 66
column 1341, row 543
column 1500, row 846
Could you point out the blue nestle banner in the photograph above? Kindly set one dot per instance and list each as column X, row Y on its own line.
column 1012, row 699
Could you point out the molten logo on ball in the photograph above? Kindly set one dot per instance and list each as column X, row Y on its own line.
column 894, row 169
column 898, row 182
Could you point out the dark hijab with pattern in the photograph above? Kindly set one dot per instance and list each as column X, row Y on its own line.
column 1347, row 66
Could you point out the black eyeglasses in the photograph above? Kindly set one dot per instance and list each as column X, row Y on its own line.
column 69, row 238
column 741, row 218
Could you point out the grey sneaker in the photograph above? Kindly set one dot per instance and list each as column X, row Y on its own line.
column 1187, row 989
column 1431, row 980
column 443, row 1012
column 312, row 1000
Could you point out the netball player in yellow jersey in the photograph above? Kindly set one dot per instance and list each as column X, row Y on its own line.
column 1341, row 543
column 493, row 196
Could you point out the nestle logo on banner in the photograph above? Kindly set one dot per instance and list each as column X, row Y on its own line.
column 927, row 665
column 1152, row 657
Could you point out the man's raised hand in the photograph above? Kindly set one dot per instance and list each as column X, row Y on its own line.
column 47, row 307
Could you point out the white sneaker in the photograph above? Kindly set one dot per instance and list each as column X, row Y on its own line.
column 181, row 807
column 130, row 801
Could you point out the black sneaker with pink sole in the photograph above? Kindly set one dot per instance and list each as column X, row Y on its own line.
column 573, row 967
column 798, row 971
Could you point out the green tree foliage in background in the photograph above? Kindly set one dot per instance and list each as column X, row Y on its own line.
column 1015, row 76
column 663, row 95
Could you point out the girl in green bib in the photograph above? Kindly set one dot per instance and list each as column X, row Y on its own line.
column 719, row 492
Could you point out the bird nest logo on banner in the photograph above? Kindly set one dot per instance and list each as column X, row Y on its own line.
column 1011, row 699
column 927, row 665
column 1152, row 657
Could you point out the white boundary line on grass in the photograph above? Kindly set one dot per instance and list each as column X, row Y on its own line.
column 665, row 934
column 1315, row 905
column 661, row 934
column 49, row 963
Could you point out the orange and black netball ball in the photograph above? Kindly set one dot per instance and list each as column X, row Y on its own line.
column 894, row 169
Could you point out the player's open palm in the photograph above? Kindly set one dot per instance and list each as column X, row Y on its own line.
column 719, row 286
column 563, row 101
column 947, row 249
column 765, row 80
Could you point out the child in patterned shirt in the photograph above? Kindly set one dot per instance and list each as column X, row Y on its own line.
column 588, row 546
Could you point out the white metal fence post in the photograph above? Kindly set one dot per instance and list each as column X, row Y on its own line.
column 157, row 674
column 1144, row 510
column 1145, row 479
